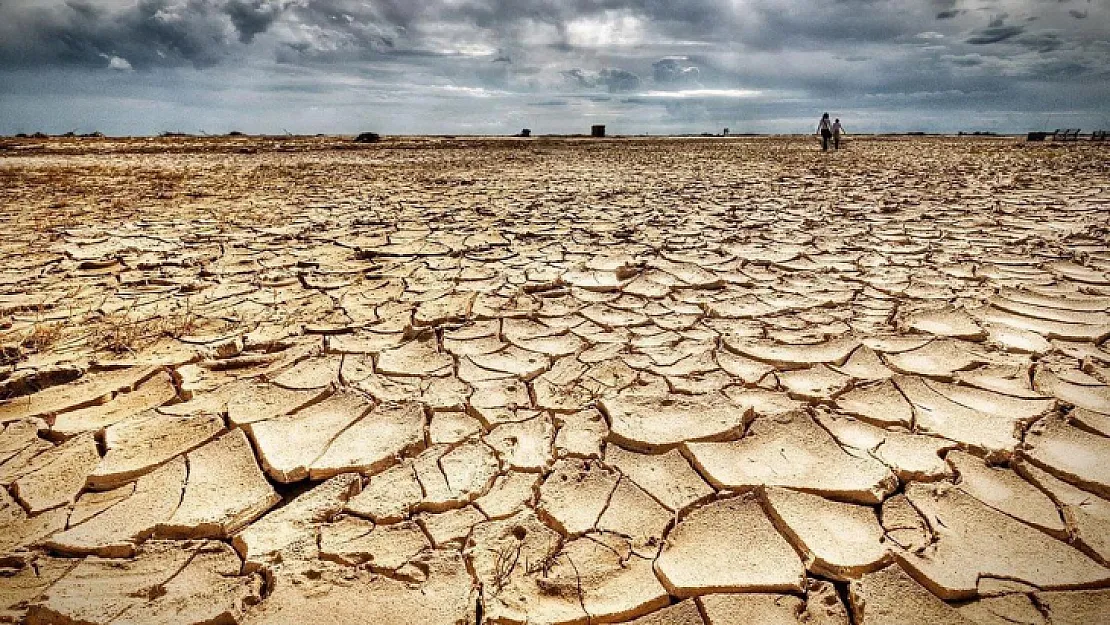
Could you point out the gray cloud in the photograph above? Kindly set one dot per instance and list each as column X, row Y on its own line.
column 675, row 65
column 580, row 78
column 618, row 80
column 946, row 9
column 966, row 60
column 252, row 17
column 613, row 79
column 675, row 71
column 1041, row 41
column 995, row 34
column 147, row 33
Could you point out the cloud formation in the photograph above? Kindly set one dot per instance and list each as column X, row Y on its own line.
column 489, row 65
column 994, row 33
column 675, row 70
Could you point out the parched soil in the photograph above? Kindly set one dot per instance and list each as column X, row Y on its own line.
column 661, row 381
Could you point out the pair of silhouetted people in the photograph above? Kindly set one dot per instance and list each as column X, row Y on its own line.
column 828, row 131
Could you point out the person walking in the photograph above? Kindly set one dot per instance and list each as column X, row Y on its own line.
column 824, row 128
column 837, row 130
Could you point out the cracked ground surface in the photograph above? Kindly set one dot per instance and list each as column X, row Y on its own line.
column 554, row 381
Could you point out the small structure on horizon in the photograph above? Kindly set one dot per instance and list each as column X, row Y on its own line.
column 725, row 133
column 1067, row 134
column 597, row 130
column 527, row 132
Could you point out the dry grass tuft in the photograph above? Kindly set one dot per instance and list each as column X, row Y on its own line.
column 505, row 560
column 42, row 337
column 120, row 334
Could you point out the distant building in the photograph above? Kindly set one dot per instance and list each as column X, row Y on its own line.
column 597, row 131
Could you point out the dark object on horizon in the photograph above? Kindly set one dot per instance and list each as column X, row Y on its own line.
column 1100, row 135
column 1036, row 136
column 368, row 137
column 1067, row 134
column 916, row 133
column 236, row 133
column 169, row 133
column 597, row 131
column 40, row 135
column 22, row 135
column 977, row 133
column 527, row 132
column 725, row 133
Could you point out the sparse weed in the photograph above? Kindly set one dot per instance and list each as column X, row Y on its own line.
column 42, row 336
column 180, row 324
column 505, row 561
column 543, row 566
column 119, row 334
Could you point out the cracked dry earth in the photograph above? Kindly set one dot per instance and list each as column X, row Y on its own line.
column 648, row 381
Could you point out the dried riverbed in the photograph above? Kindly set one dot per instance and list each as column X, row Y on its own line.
column 554, row 381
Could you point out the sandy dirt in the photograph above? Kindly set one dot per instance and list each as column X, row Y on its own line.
column 665, row 381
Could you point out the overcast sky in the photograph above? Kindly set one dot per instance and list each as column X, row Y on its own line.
column 555, row 66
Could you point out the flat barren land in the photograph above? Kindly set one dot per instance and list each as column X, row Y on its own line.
column 665, row 381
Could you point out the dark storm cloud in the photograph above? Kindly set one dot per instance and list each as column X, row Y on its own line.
column 970, row 60
column 146, row 32
column 994, row 34
column 253, row 17
column 659, row 63
column 946, row 9
column 204, row 31
column 1043, row 42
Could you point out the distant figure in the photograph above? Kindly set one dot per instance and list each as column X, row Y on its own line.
column 824, row 128
column 837, row 129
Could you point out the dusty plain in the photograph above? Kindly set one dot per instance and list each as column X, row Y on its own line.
column 665, row 381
